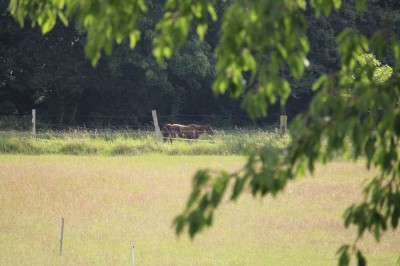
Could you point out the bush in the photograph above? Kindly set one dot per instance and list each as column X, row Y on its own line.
column 20, row 146
column 124, row 149
column 78, row 148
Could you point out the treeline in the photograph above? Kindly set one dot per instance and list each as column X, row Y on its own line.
column 50, row 73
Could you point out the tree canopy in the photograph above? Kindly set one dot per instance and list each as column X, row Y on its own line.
column 263, row 48
column 50, row 74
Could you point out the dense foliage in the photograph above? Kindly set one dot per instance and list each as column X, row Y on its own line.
column 50, row 73
column 261, row 56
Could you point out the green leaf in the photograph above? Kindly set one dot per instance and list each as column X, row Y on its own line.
column 370, row 148
column 134, row 37
column 320, row 82
column 196, row 223
column 361, row 259
column 157, row 52
column 193, row 197
column 296, row 66
column 88, row 20
column 179, row 223
column 284, row 91
column 248, row 59
column 220, row 85
column 305, row 46
column 396, row 50
column 212, row 12
column 327, row 8
column 301, row 4
column 377, row 232
column 344, row 259
column 215, row 197
column 348, row 216
column 142, row 5
column 201, row 177
column 238, row 188
column 197, row 10
column 396, row 214
column 48, row 21
column 282, row 51
column 378, row 43
column 360, row 5
column 60, row 4
column 167, row 52
column 63, row 19
column 209, row 219
column 201, row 30
column 337, row 4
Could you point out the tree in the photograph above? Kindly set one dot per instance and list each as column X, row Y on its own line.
column 258, row 40
column 168, row 86
column 50, row 73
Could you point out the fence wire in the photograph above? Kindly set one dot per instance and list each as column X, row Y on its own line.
column 98, row 125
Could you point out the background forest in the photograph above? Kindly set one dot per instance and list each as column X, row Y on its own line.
column 50, row 73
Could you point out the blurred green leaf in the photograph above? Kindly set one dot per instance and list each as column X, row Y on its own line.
column 361, row 259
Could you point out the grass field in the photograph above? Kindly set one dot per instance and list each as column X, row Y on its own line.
column 111, row 203
column 238, row 142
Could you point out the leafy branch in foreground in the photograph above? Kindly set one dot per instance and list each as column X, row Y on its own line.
column 369, row 116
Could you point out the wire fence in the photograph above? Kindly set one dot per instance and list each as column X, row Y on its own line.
column 103, row 125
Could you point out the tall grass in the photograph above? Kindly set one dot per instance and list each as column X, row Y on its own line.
column 237, row 142
column 111, row 203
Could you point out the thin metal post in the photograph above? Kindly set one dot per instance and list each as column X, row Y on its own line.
column 133, row 256
column 62, row 235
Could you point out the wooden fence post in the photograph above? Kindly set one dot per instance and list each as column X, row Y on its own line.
column 155, row 120
column 283, row 125
column 34, row 123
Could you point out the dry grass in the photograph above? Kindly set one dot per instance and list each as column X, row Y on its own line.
column 111, row 203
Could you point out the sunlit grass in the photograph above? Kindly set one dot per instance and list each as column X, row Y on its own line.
column 112, row 203
column 121, row 143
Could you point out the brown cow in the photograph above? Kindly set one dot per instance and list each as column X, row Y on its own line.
column 207, row 129
column 173, row 131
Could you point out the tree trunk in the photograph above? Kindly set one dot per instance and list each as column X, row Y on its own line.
column 283, row 121
column 283, row 109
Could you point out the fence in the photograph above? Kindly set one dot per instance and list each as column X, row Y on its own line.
column 99, row 125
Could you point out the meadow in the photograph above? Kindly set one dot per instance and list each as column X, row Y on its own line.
column 111, row 143
column 113, row 202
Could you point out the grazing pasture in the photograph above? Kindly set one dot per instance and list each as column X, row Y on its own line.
column 237, row 142
column 111, row 203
